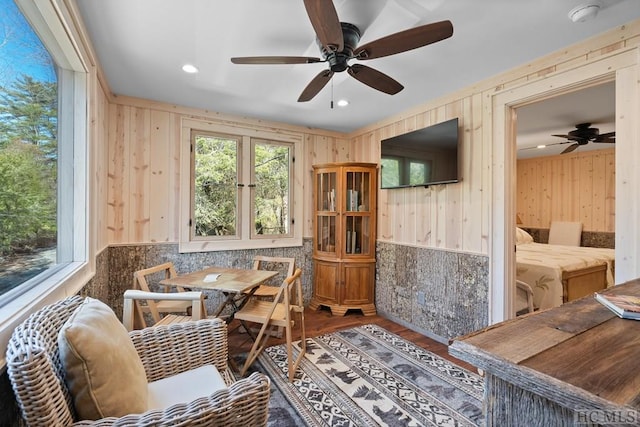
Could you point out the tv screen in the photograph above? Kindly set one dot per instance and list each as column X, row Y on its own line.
column 423, row 157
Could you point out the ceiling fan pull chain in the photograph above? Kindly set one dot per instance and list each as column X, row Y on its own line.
column 332, row 93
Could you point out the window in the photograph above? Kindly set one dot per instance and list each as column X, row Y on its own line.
column 241, row 189
column 42, row 154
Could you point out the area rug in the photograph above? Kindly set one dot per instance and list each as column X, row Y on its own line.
column 368, row 376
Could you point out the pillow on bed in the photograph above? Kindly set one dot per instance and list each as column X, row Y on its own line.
column 522, row 236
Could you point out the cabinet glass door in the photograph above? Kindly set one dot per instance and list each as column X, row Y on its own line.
column 357, row 228
column 326, row 208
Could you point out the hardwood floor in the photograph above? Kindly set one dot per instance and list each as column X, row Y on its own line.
column 322, row 322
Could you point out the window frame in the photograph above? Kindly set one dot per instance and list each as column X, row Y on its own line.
column 245, row 241
column 72, row 269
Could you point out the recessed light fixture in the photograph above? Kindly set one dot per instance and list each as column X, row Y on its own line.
column 541, row 146
column 584, row 12
column 343, row 103
column 188, row 68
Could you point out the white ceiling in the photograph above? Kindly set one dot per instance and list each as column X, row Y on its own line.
column 142, row 45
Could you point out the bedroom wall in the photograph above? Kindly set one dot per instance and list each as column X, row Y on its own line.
column 579, row 186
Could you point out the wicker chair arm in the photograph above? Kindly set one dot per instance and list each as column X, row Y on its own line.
column 245, row 403
column 170, row 349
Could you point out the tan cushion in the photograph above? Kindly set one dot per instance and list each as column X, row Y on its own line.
column 102, row 368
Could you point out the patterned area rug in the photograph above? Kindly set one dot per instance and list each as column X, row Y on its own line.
column 367, row 376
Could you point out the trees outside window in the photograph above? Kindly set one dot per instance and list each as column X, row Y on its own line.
column 28, row 152
column 238, row 187
column 218, row 163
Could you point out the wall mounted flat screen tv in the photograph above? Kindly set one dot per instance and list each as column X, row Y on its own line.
column 421, row 158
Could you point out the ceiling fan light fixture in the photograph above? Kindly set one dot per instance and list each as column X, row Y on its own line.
column 188, row 68
column 342, row 103
column 584, row 12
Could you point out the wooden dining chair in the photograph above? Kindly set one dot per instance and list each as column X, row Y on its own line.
column 263, row 262
column 281, row 312
column 138, row 302
column 141, row 280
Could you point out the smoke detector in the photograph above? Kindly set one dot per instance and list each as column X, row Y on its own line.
column 584, row 12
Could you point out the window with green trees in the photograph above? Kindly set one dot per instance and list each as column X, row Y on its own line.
column 28, row 152
column 220, row 163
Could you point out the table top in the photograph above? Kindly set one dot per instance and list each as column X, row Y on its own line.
column 233, row 280
column 580, row 353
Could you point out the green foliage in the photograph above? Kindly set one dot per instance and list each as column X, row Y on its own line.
column 272, row 189
column 28, row 168
column 215, row 186
column 216, row 192
column 27, row 197
column 28, row 113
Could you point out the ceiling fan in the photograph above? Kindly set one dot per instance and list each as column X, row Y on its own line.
column 583, row 134
column 338, row 42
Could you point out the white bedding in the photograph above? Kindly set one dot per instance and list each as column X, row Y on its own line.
column 541, row 266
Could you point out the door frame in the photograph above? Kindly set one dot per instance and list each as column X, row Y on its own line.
column 622, row 66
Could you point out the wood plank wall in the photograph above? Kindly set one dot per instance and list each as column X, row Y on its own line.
column 142, row 200
column 458, row 216
column 144, row 147
column 570, row 187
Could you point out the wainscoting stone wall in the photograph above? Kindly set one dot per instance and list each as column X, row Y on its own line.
column 125, row 259
column 440, row 293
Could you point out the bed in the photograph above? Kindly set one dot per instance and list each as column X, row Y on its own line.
column 558, row 274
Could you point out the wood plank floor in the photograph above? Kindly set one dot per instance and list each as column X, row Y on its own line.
column 322, row 322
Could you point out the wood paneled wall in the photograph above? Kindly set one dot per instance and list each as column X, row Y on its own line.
column 572, row 187
column 459, row 216
column 143, row 164
column 144, row 150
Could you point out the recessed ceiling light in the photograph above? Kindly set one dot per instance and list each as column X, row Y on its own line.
column 584, row 12
column 343, row 103
column 541, row 146
column 188, row 68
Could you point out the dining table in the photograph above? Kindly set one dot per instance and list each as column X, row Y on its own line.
column 236, row 284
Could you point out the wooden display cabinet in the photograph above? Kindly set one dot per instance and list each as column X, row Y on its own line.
column 344, row 238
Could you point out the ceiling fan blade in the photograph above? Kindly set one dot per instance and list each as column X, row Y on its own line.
column 326, row 24
column 264, row 60
column 570, row 137
column 570, row 148
column 375, row 79
column 609, row 137
column 315, row 85
column 405, row 40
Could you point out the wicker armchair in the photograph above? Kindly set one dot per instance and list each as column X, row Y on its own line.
column 37, row 376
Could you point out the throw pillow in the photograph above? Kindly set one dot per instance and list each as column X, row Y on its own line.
column 103, row 371
column 522, row 236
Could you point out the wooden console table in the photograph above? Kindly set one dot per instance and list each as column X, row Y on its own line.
column 577, row 364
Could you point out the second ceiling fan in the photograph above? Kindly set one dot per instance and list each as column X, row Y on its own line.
column 583, row 134
column 338, row 43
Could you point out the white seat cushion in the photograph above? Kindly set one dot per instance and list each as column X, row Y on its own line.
column 184, row 387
